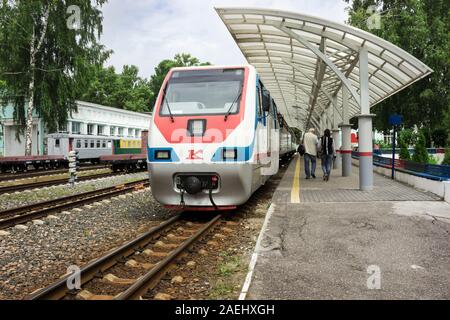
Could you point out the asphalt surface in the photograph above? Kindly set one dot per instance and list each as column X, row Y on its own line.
column 353, row 250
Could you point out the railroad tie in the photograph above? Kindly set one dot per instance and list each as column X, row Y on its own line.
column 110, row 278
column 134, row 264
column 86, row 295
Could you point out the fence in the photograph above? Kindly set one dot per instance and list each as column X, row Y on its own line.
column 429, row 171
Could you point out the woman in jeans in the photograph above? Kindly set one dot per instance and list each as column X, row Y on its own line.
column 327, row 154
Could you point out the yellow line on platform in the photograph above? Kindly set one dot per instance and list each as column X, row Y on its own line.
column 295, row 192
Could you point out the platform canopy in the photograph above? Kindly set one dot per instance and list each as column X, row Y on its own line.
column 306, row 62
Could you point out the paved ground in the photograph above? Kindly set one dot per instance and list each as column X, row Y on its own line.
column 324, row 246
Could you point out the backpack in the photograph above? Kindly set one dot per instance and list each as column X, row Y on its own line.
column 301, row 150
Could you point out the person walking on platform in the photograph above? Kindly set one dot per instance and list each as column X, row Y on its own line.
column 310, row 142
column 327, row 154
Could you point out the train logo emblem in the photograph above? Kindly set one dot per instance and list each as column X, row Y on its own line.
column 195, row 155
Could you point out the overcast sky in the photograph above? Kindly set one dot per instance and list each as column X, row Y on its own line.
column 144, row 32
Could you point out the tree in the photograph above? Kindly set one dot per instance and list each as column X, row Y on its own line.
column 125, row 90
column 44, row 56
column 421, row 28
column 420, row 150
column 403, row 144
column 161, row 70
column 439, row 137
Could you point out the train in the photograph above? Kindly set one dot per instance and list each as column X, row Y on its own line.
column 216, row 136
column 120, row 153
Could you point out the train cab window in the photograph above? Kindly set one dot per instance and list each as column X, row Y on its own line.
column 92, row 144
column 57, row 143
column 260, row 98
column 78, row 144
column 86, row 144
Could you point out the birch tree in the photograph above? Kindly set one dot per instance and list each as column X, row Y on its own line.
column 46, row 50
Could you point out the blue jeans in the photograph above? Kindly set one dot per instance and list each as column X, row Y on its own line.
column 327, row 160
column 312, row 159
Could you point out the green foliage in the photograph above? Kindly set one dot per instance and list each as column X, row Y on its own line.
column 161, row 70
column 404, row 152
column 125, row 90
column 439, row 137
column 421, row 153
column 61, row 61
column 447, row 157
column 383, row 145
column 421, row 28
column 432, row 160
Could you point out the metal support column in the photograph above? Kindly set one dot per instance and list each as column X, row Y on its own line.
column 346, row 128
column 365, row 126
column 336, row 134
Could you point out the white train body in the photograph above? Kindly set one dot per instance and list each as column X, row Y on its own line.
column 214, row 138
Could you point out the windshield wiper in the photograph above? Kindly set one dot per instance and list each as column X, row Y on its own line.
column 231, row 107
column 168, row 106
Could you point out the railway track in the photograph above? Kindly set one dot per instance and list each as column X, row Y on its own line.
column 12, row 217
column 144, row 260
column 38, row 173
column 55, row 182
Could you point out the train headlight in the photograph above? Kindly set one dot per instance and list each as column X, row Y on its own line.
column 196, row 128
column 162, row 154
column 230, row 154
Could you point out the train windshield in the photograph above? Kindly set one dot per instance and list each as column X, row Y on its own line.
column 203, row 92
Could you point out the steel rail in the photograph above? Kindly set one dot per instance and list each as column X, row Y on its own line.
column 56, row 182
column 59, row 289
column 151, row 279
column 24, row 214
column 38, row 173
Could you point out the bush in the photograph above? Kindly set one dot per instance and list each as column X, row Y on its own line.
column 447, row 157
column 404, row 152
column 421, row 153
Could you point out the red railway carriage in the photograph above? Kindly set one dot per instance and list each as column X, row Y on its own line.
column 22, row 163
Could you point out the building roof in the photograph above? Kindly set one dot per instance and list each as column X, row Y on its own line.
column 302, row 60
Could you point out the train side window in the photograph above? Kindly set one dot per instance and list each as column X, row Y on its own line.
column 260, row 96
column 109, row 144
column 78, row 144
column 86, row 144
column 104, row 144
column 92, row 144
column 98, row 144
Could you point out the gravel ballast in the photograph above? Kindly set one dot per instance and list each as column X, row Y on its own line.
column 38, row 255
column 22, row 198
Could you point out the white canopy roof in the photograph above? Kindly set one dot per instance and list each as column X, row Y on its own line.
column 304, row 61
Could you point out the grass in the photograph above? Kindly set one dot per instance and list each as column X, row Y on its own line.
column 226, row 284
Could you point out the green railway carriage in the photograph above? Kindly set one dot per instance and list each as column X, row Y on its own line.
column 127, row 146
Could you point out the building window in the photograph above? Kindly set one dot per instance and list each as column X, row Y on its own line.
column 112, row 131
column 120, row 132
column 130, row 132
column 90, row 129
column 76, row 128
column 137, row 133
column 100, row 130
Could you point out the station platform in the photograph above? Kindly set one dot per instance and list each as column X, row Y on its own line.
column 328, row 240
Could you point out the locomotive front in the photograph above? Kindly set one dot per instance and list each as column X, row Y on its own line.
column 201, row 139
